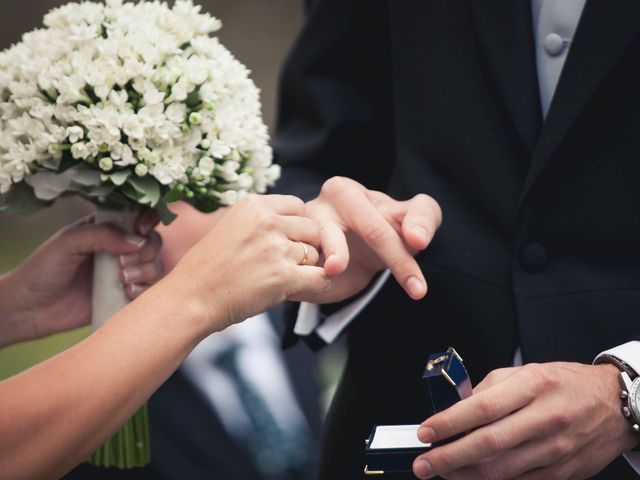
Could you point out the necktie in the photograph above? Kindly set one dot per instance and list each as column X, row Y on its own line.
column 279, row 453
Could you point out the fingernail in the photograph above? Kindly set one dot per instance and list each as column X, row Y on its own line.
column 422, row 469
column 131, row 259
column 415, row 288
column 135, row 290
column 135, row 240
column 422, row 232
column 426, row 434
column 131, row 274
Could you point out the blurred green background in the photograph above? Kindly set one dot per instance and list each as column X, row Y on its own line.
column 258, row 32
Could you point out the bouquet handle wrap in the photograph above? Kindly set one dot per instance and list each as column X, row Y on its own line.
column 129, row 447
column 108, row 294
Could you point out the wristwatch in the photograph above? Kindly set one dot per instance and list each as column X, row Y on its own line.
column 630, row 393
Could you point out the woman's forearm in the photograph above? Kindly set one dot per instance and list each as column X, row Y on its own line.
column 53, row 416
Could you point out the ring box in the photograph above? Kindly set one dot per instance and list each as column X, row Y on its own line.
column 393, row 448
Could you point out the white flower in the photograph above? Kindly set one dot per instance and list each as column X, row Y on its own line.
column 219, row 149
column 75, row 134
column 228, row 198
column 244, row 181
column 206, row 166
column 106, row 164
column 140, row 84
column 141, row 169
column 229, row 171
column 176, row 112
column 80, row 151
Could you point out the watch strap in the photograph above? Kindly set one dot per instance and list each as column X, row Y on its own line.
column 622, row 366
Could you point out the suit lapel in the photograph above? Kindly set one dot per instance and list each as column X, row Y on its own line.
column 505, row 31
column 605, row 29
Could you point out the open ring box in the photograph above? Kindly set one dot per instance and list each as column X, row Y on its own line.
column 393, row 448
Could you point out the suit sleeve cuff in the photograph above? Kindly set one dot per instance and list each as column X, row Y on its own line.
column 309, row 326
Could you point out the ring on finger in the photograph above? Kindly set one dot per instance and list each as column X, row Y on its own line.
column 305, row 258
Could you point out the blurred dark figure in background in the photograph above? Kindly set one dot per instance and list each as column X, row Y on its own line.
column 239, row 408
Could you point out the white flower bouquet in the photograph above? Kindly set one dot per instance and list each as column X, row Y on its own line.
column 128, row 105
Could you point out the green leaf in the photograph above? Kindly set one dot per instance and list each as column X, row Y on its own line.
column 147, row 188
column 20, row 200
column 193, row 99
column 117, row 178
column 205, row 205
column 131, row 193
column 166, row 215
column 173, row 195
column 67, row 162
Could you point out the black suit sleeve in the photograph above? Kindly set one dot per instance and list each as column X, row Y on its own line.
column 335, row 106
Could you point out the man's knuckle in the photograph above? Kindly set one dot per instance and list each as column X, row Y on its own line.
column 541, row 378
column 401, row 264
column 563, row 447
column 494, row 439
column 376, row 232
column 560, row 419
column 489, row 406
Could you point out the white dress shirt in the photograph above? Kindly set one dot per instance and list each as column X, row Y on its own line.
column 554, row 25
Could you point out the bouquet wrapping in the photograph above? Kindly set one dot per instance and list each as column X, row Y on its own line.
column 129, row 106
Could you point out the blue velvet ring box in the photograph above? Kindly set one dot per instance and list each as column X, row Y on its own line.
column 393, row 448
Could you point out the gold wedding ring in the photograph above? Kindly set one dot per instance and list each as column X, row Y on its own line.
column 305, row 259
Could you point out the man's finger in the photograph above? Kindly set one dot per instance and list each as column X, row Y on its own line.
column 282, row 204
column 528, row 457
column 422, row 219
column 308, row 280
column 525, row 426
column 494, row 377
column 365, row 220
column 479, row 410
column 334, row 247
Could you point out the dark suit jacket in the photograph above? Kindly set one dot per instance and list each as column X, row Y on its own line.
column 189, row 441
column 539, row 245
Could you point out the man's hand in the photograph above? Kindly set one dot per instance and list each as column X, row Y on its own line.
column 364, row 232
column 540, row 421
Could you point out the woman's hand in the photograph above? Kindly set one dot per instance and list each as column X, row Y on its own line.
column 51, row 291
column 251, row 261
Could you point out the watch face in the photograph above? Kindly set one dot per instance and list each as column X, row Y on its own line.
column 634, row 398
